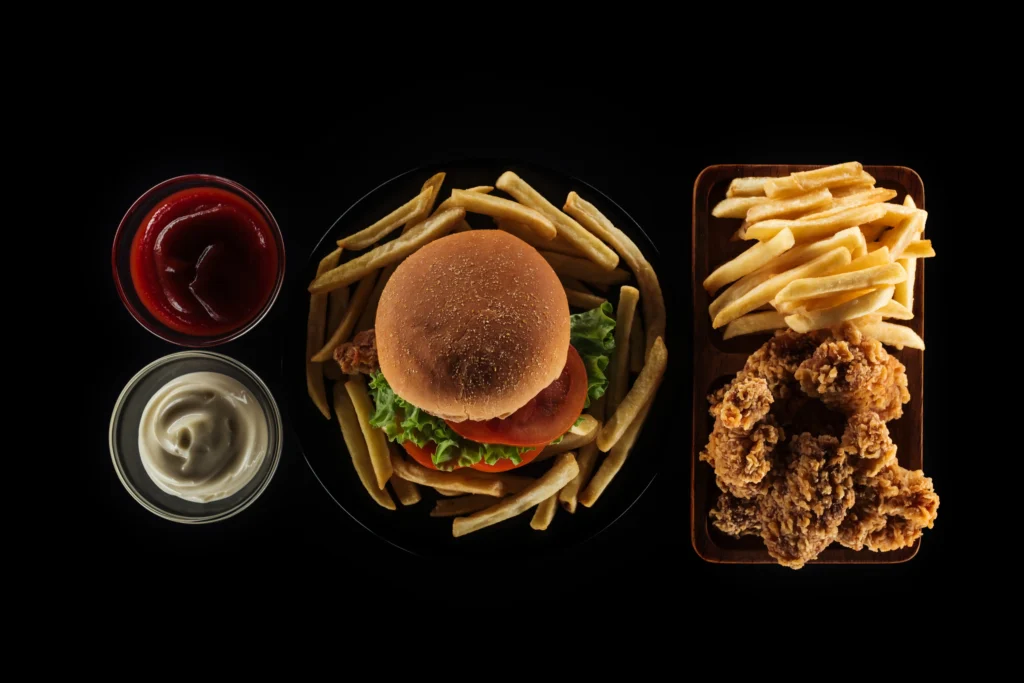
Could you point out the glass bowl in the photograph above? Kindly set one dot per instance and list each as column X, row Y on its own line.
column 124, row 437
column 121, row 258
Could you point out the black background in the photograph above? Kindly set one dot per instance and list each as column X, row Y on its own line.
column 310, row 160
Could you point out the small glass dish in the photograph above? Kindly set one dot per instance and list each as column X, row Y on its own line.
column 124, row 437
column 122, row 248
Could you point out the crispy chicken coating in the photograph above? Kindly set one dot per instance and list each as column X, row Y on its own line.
column 736, row 516
column 892, row 510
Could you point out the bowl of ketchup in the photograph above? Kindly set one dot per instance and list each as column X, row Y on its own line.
column 198, row 260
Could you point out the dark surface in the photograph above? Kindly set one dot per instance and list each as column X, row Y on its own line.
column 311, row 164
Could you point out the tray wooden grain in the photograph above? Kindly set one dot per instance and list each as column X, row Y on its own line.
column 715, row 361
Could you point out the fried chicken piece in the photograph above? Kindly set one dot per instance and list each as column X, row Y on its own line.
column 853, row 374
column 736, row 516
column 867, row 444
column 892, row 510
column 743, row 438
column 359, row 355
column 808, row 494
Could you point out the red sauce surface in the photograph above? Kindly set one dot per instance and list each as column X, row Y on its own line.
column 204, row 261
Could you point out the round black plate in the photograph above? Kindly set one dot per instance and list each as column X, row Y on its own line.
column 412, row 529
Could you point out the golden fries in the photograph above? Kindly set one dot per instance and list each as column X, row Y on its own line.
column 376, row 442
column 908, row 231
column 904, row 294
column 616, row 459
column 753, row 258
column 348, row 321
column 637, row 349
column 618, row 373
column 559, row 244
column 450, row 202
column 875, row 195
column 459, row 480
column 586, row 424
column 406, row 491
column 315, row 337
column 583, row 300
column 792, row 207
column 746, row 187
column 805, row 229
column 854, row 188
column 564, row 469
column 586, row 459
column 808, row 288
column 650, row 289
column 767, row 290
column 352, row 433
column 805, row 181
column 873, row 258
column 752, row 323
column 894, row 309
column 368, row 317
column 642, row 391
column 830, row 317
column 446, row 492
column 503, row 208
column 581, row 269
column 545, row 513
column 736, row 207
column 571, row 440
column 893, row 335
column 388, row 253
column 584, row 242
column 463, row 505
column 919, row 249
column 409, row 212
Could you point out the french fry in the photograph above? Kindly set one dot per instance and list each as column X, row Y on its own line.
column 463, row 505
column 919, row 249
column 583, row 300
column 636, row 346
column 741, row 232
column 739, row 289
column 406, row 491
column 736, row 207
column 450, row 202
column 752, row 323
column 573, row 283
column 651, row 297
column 805, row 230
column 337, row 302
column 767, row 290
column 545, row 513
column 498, row 207
column 895, row 310
column 315, row 324
column 585, row 270
column 851, row 238
column 854, row 188
column 564, row 469
column 352, row 433
column 376, row 442
column 586, row 458
column 459, row 480
column 410, row 212
column 891, row 334
column 818, row 303
column 908, row 231
column 642, row 391
column 616, row 459
column 909, row 202
column 895, row 215
column 433, row 185
column 618, row 375
column 348, row 321
column 830, row 317
column 875, row 195
column 904, row 293
column 809, row 288
column 368, row 318
column 559, row 244
column 571, row 441
column 586, row 425
column 388, row 253
column 792, row 207
column 587, row 244
column 750, row 260
column 806, row 181
column 746, row 187
column 871, row 233
column 874, row 257
column 446, row 492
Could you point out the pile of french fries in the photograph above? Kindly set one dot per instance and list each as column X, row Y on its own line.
column 830, row 247
column 585, row 249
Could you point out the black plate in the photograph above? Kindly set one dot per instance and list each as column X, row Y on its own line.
column 412, row 529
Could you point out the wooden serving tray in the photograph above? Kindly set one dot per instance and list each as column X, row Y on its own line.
column 716, row 361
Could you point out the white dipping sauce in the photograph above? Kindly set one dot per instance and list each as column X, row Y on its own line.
column 202, row 437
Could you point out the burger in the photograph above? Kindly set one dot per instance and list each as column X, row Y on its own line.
column 474, row 360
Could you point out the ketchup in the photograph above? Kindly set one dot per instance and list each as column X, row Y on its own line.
column 204, row 261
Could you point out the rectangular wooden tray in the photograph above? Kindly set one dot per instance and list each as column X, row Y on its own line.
column 716, row 361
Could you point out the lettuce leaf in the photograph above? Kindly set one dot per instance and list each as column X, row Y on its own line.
column 402, row 422
column 592, row 333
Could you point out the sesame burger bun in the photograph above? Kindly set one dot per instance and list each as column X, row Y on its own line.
column 472, row 326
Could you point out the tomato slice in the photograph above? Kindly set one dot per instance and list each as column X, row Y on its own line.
column 547, row 416
column 504, row 465
column 421, row 455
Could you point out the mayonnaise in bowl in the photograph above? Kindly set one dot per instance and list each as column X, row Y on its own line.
column 202, row 437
